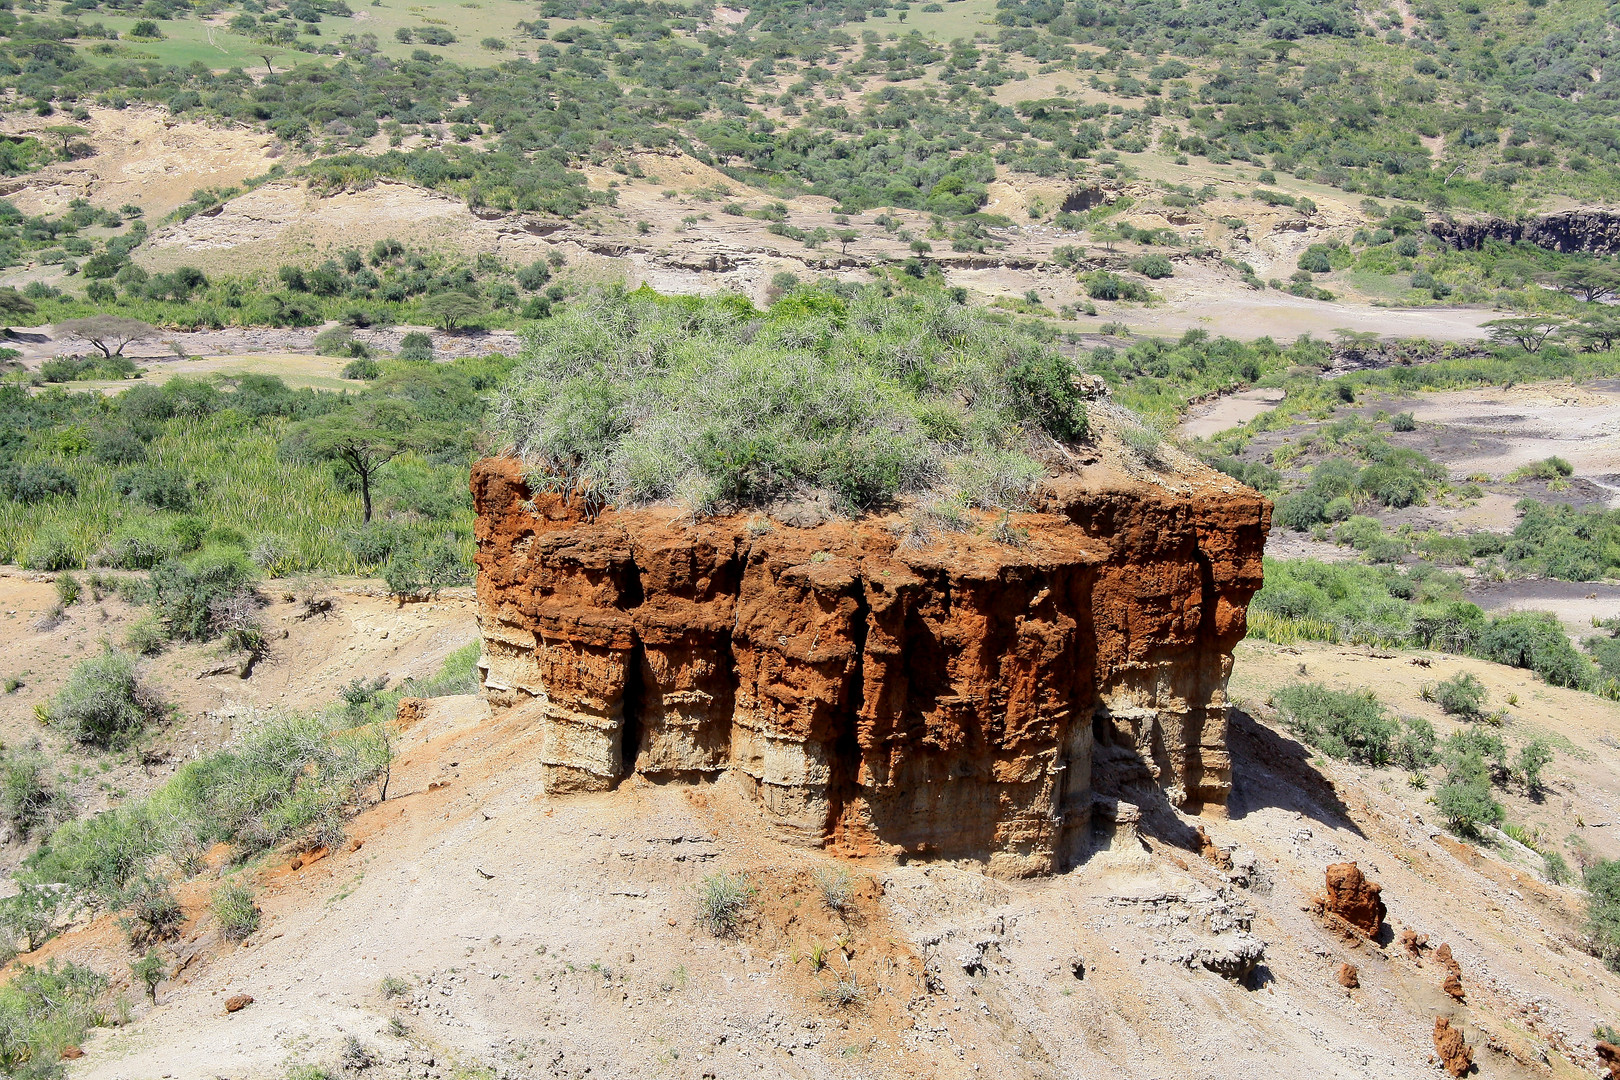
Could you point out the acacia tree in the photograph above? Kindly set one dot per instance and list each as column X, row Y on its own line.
column 108, row 333
column 449, row 310
column 362, row 437
column 13, row 303
column 1591, row 281
column 1598, row 331
column 67, row 132
column 1529, row 334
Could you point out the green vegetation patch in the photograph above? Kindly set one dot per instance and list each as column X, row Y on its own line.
column 1419, row 608
column 1344, row 724
column 194, row 471
column 638, row 399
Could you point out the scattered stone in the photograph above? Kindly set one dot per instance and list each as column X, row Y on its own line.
column 1349, row 978
column 1350, row 896
column 1414, row 943
column 1208, row 849
column 238, row 1002
column 1232, row 956
column 1455, row 1056
column 410, row 712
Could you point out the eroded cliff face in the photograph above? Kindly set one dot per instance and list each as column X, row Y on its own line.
column 1596, row 231
column 947, row 700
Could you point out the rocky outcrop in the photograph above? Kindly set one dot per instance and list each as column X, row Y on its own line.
column 1351, row 897
column 1595, row 231
column 1456, row 1057
column 943, row 700
column 1608, row 1056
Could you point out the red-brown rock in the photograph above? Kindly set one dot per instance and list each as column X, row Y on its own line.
column 1443, row 957
column 238, row 1002
column 942, row 699
column 1414, row 943
column 1608, row 1056
column 1453, row 986
column 409, row 712
column 1353, row 898
column 1212, row 851
column 1349, row 977
column 1455, row 1055
column 72, row 1053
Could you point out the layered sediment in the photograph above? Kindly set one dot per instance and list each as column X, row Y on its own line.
column 943, row 700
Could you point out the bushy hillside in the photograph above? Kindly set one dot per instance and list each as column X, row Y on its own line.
column 1450, row 103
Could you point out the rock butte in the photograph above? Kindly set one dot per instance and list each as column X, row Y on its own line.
column 959, row 700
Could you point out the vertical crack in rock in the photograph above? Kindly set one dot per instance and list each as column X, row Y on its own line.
column 962, row 700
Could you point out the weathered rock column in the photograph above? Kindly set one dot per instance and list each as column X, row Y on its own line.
column 939, row 701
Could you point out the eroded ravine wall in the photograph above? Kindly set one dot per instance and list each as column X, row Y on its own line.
column 941, row 701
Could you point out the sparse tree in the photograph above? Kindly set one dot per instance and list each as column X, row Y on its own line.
column 449, row 310
column 1529, row 333
column 1107, row 236
column 108, row 333
column 14, row 303
column 1591, row 281
column 1597, row 332
column 363, row 438
column 67, row 133
column 845, row 238
column 150, row 970
column 1534, row 756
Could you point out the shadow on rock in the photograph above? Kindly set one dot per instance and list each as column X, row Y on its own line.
column 1270, row 769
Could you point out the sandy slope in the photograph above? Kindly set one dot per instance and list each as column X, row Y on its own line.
column 365, row 634
column 556, row 937
column 143, row 156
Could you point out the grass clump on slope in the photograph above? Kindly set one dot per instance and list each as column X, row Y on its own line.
column 636, row 399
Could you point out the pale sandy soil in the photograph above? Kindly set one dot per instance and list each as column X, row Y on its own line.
column 555, row 936
column 286, row 352
column 1484, row 435
column 716, row 252
column 364, row 635
column 1247, row 315
column 1505, row 429
column 143, row 156
column 1578, row 604
column 1228, row 411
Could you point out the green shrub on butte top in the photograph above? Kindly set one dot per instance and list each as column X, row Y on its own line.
column 638, row 399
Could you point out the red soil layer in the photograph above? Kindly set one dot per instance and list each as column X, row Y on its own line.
column 941, row 700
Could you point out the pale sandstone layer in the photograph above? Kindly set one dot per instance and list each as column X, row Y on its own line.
column 944, row 701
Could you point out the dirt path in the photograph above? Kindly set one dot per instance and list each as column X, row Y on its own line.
column 173, row 352
column 1578, row 604
column 1246, row 315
